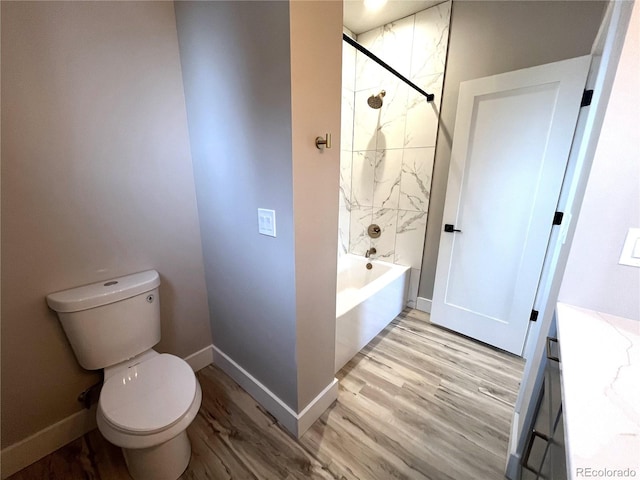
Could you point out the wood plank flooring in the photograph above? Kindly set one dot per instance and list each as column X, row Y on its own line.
column 418, row 402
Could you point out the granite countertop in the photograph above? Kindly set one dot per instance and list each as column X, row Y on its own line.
column 600, row 370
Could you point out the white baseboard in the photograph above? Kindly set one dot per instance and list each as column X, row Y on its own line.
column 22, row 454
column 296, row 423
column 316, row 407
column 512, row 471
column 25, row 452
column 423, row 304
column 201, row 358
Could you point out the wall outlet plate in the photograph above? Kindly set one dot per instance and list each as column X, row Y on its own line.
column 267, row 222
column 631, row 250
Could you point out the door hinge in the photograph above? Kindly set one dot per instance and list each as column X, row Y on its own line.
column 587, row 95
column 557, row 218
column 534, row 315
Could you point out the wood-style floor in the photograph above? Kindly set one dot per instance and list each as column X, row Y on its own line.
column 418, row 402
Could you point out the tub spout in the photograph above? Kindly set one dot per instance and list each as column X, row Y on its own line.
column 370, row 252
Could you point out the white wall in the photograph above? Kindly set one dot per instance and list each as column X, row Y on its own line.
column 593, row 278
column 97, row 182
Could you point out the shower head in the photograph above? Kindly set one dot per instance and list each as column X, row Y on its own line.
column 375, row 101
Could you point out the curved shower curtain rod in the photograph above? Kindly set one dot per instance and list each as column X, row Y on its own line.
column 360, row 48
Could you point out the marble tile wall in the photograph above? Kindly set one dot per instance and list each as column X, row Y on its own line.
column 346, row 143
column 388, row 153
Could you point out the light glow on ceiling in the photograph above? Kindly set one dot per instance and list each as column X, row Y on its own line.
column 373, row 5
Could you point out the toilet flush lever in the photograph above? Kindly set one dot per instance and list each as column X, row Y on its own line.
column 323, row 142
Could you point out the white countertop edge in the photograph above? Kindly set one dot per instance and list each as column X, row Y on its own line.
column 600, row 371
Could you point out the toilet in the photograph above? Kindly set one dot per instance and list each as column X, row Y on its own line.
column 148, row 399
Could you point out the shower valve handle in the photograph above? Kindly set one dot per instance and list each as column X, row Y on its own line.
column 320, row 142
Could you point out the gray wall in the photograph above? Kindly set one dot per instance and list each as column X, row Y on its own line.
column 236, row 67
column 491, row 37
column 97, row 182
column 262, row 80
column 593, row 278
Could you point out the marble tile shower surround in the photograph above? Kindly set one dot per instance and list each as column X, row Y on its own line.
column 346, row 143
column 387, row 154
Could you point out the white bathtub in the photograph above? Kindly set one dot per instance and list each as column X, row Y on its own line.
column 367, row 300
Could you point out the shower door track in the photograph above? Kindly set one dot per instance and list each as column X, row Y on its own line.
column 360, row 48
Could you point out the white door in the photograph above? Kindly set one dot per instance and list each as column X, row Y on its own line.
column 511, row 143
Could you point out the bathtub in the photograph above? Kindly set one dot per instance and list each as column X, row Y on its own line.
column 366, row 301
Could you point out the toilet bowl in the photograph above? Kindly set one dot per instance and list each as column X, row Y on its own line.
column 148, row 399
column 145, row 406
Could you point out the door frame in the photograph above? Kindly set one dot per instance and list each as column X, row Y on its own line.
column 606, row 53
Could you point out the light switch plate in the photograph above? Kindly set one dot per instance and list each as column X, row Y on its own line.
column 631, row 249
column 267, row 222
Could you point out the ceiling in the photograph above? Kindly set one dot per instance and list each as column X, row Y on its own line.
column 358, row 19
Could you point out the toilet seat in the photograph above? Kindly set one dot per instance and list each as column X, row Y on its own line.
column 148, row 397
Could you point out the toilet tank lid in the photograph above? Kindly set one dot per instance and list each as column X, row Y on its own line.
column 104, row 292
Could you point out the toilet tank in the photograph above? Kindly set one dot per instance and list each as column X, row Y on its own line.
column 110, row 321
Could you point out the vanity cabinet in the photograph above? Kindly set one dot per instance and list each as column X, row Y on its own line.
column 544, row 457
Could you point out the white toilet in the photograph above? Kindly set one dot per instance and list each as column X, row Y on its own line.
column 148, row 399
